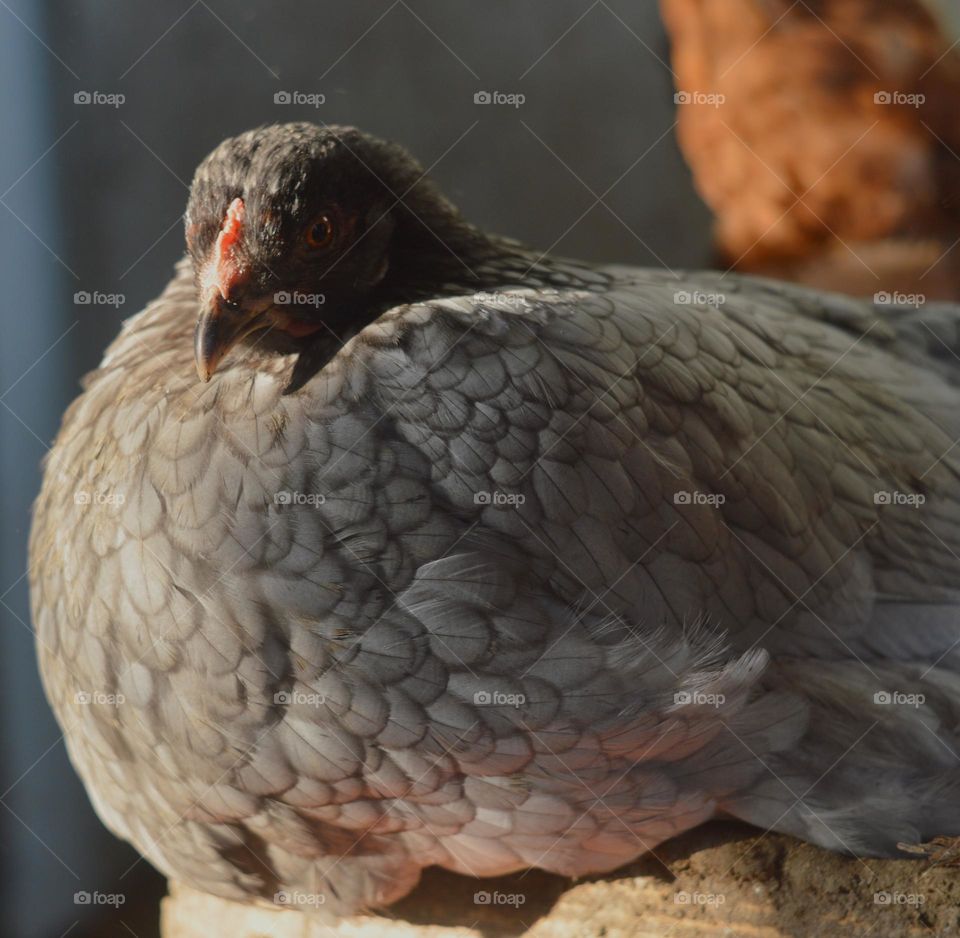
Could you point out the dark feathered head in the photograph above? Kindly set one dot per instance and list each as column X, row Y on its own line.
column 295, row 229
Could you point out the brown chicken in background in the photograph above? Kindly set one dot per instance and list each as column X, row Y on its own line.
column 824, row 136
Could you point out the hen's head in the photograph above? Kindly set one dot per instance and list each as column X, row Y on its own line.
column 296, row 230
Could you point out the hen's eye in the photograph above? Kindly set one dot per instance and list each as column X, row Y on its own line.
column 320, row 233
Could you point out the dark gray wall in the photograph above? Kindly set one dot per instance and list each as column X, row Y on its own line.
column 107, row 201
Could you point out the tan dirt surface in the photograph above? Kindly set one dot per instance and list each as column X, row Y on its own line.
column 725, row 879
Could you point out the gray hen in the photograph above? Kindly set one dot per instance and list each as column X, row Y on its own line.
column 467, row 556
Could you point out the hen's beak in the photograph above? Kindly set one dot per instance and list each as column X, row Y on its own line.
column 224, row 321
column 220, row 327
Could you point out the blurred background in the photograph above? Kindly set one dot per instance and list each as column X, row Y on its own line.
column 107, row 108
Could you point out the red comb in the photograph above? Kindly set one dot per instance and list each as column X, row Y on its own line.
column 225, row 254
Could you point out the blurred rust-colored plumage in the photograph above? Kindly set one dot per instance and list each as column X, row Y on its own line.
column 833, row 157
